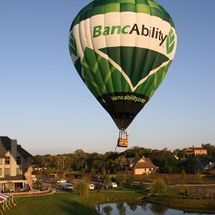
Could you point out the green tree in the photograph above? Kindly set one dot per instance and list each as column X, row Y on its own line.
column 121, row 208
column 120, row 180
column 103, row 171
column 82, row 188
column 158, row 186
column 107, row 181
column 129, row 179
column 60, row 174
column 37, row 185
column 10, row 186
column 107, row 209
column 183, row 177
column 198, row 178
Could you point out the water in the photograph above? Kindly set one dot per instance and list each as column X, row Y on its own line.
column 139, row 209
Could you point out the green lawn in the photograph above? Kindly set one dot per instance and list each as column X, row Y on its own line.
column 198, row 205
column 68, row 203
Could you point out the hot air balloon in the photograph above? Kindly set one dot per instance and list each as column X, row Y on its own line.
column 122, row 50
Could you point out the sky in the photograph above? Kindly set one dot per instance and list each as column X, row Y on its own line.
column 47, row 108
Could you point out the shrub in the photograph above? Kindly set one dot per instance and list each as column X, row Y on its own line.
column 107, row 181
column 37, row 185
column 129, row 180
column 158, row 186
column 82, row 188
column 120, row 180
column 198, row 178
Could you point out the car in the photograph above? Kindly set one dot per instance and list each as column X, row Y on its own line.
column 67, row 186
column 61, row 181
column 91, row 187
column 114, row 185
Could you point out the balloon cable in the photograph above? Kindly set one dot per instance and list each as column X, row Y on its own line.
column 115, row 148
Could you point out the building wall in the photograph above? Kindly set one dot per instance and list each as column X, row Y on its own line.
column 13, row 156
column 6, row 166
column 143, row 171
column 2, row 167
column 196, row 151
column 12, row 169
column 200, row 152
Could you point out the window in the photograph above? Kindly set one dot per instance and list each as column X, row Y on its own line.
column 7, row 171
column 18, row 160
column 7, row 160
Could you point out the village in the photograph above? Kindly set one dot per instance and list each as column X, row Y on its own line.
column 20, row 171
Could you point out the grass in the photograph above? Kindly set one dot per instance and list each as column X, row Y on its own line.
column 68, row 203
column 193, row 205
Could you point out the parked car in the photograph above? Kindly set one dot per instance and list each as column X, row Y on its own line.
column 91, row 187
column 114, row 185
column 67, row 186
column 61, row 181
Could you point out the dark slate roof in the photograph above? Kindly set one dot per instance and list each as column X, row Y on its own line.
column 23, row 152
column 5, row 145
column 146, row 163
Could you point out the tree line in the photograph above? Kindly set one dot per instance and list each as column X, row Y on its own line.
column 168, row 161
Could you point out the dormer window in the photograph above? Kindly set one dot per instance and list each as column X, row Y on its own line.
column 7, row 160
column 18, row 160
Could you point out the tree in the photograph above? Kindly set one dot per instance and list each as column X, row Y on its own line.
column 183, row 176
column 158, row 186
column 103, row 171
column 107, row 209
column 211, row 151
column 107, row 181
column 132, row 206
column 129, row 179
column 10, row 186
column 82, row 188
column 198, row 178
column 60, row 174
column 120, row 179
column 37, row 185
column 121, row 208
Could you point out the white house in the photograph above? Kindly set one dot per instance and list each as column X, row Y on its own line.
column 15, row 165
column 144, row 166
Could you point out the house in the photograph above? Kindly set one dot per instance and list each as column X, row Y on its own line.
column 15, row 165
column 144, row 166
column 195, row 151
column 210, row 168
column 211, row 165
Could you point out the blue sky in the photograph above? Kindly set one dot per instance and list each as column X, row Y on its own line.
column 47, row 108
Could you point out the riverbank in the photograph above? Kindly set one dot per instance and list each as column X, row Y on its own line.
column 185, row 204
column 69, row 203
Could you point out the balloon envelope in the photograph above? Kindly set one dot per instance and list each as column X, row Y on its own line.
column 122, row 50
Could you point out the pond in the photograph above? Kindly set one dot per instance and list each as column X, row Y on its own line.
column 138, row 209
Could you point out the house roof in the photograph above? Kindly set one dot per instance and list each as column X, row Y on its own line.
column 23, row 152
column 5, row 146
column 195, row 148
column 199, row 148
column 18, row 177
column 144, row 163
